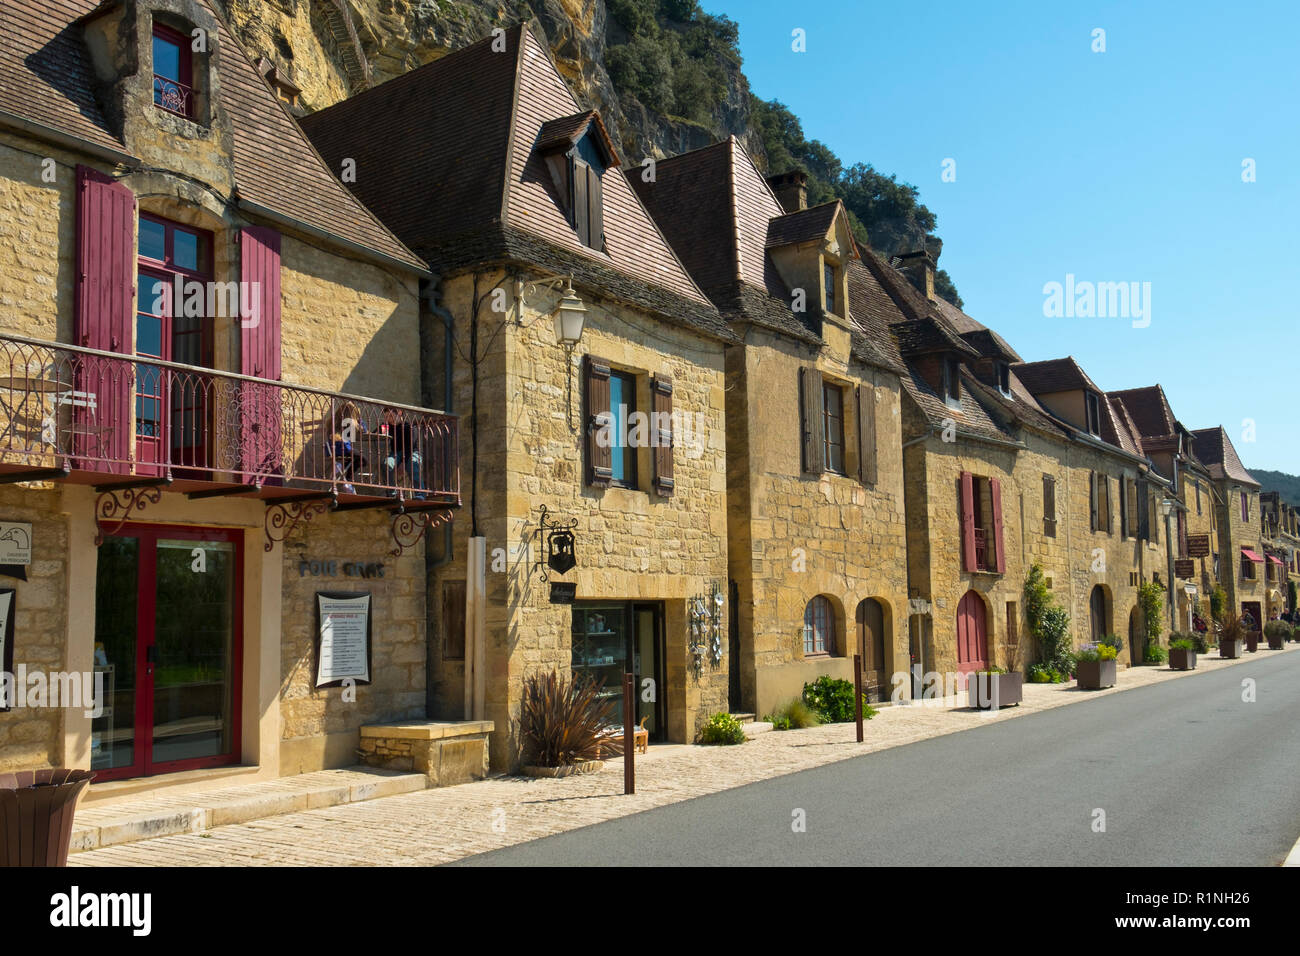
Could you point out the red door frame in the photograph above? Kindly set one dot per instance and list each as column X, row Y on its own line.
column 142, row 764
column 972, row 636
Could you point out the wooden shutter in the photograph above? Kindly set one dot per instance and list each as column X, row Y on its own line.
column 866, row 434
column 968, row 521
column 1144, row 513
column 1049, row 506
column 1123, row 506
column 1104, row 482
column 599, row 454
column 661, row 408
column 105, row 307
column 595, row 210
column 453, row 620
column 995, row 492
column 261, row 441
column 1093, row 504
column 581, row 215
column 812, row 425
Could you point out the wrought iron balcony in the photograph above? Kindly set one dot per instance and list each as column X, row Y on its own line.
column 172, row 96
column 101, row 418
column 982, row 551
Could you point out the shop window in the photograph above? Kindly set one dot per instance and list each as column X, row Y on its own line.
column 819, row 628
column 173, row 71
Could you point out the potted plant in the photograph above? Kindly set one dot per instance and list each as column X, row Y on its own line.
column 1252, row 639
column 1182, row 653
column 995, row 687
column 1277, row 632
column 563, row 725
column 1231, row 632
column 1095, row 667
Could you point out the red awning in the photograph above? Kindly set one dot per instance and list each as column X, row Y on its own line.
column 1246, row 552
column 1276, row 560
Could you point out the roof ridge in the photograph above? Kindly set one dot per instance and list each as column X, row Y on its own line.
column 510, row 121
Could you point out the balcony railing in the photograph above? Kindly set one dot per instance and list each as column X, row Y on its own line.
column 981, row 550
column 171, row 95
column 83, row 410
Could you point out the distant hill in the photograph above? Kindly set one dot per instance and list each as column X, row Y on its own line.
column 1280, row 481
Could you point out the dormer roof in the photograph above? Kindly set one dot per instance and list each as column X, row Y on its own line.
column 1214, row 449
column 563, row 134
column 805, row 225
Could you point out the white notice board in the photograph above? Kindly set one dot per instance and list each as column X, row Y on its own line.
column 342, row 638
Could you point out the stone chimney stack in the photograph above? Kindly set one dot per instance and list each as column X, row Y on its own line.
column 919, row 269
column 791, row 189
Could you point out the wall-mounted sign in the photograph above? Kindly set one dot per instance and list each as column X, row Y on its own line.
column 351, row 569
column 564, row 592
column 1198, row 545
column 1185, row 568
column 6, row 642
column 342, row 638
column 15, row 543
column 918, row 606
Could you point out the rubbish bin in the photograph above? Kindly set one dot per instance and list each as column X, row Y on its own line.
column 36, row 809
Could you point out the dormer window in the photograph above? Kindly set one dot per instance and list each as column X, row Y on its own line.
column 173, row 71
column 828, row 280
column 1093, row 403
column 1004, row 379
column 586, row 202
column 578, row 151
column 951, row 378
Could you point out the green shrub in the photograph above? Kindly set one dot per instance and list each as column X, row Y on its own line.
column 794, row 714
column 722, row 729
column 1183, row 644
column 1277, row 629
column 1155, row 654
column 1151, row 601
column 832, row 700
column 1115, row 642
column 1218, row 601
column 1096, row 652
column 778, row 721
column 1038, row 674
column 993, row 669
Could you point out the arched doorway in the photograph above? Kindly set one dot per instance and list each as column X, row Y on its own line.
column 1136, row 637
column 1098, row 613
column 871, row 646
column 972, row 634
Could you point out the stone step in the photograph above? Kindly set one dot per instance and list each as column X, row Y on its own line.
column 111, row 823
column 755, row 727
column 744, row 718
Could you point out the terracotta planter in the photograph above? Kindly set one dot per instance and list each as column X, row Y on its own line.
column 1230, row 649
column 36, row 811
column 991, row 691
column 1181, row 660
column 1094, row 675
column 568, row 770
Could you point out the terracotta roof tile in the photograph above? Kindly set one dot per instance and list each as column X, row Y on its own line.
column 1214, row 449
column 1054, row 375
column 805, row 225
column 1149, row 409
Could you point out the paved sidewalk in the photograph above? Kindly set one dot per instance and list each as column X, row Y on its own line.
column 437, row 826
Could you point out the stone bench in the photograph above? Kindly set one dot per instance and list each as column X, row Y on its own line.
column 447, row 752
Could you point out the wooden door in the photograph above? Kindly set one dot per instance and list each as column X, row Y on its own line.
column 871, row 647
column 972, row 634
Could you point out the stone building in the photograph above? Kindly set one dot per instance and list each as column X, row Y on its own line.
column 1241, row 547
column 1281, row 542
column 485, row 164
column 204, row 336
column 815, row 524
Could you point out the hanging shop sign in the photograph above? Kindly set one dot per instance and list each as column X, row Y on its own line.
column 564, row 592
column 342, row 638
column 1185, row 568
column 1198, row 545
column 556, row 545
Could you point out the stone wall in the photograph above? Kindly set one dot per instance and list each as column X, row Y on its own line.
column 632, row 544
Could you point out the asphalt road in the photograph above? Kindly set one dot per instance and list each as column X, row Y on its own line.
column 1186, row 772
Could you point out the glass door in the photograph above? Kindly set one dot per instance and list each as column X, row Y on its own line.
column 612, row 639
column 167, row 638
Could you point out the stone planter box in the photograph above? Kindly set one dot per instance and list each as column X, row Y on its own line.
column 1094, row 675
column 1230, row 649
column 568, row 770
column 991, row 691
column 1181, row 660
column 1252, row 641
column 1275, row 642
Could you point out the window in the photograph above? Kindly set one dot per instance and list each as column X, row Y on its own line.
column 1245, row 507
column 1132, row 508
column 981, row 524
column 833, row 426
column 818, row 627
column 1100, row 495
column 1198, row 496
column 1004, row 379
column 828, row 280
column 1049, row 506
column 1247, row 569
column 622, row 403
column 1093, row 404
column 951, row 380
column 173, row 71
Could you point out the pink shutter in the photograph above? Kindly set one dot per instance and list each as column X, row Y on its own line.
column 105, row 304
column 968, row 521
column 259, row 335
column 995, row 488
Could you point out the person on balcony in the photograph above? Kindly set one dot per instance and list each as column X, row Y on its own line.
column 403, row 461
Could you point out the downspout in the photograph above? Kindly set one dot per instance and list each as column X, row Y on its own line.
column 430, row 289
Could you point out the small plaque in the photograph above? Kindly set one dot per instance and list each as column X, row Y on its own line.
column 15, row 543
column 1185, row 569
column 564, row 592
column 1198, row 545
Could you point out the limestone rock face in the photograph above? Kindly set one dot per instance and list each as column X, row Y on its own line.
column 331, row 49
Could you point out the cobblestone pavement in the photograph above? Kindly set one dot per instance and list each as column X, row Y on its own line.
column 435, row 826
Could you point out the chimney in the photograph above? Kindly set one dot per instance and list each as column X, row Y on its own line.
column 919, row 269
column 791, row 189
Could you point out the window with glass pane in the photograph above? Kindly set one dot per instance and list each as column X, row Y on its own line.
column 622, row 403
column 833, row 414
column 818, row 627
column 172, row 70
column 828, row 277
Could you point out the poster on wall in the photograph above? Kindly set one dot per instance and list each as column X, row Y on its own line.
column 6, row 645
column 342, row 638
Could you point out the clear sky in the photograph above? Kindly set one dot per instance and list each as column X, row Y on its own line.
column 1116, row 166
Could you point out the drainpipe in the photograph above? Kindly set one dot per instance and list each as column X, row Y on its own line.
column 429, row 293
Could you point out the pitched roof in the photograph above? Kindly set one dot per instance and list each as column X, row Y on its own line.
column 990, row 345
column 464, row 182
column 1118, row 428
column 1214, row 449
column 918, row 336
column 565, row 132
column 46, row 77
column 1149, row 409
column 803, row 225
column 1054, row 375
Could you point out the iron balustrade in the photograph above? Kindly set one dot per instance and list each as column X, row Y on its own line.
column 172, row 96
column 64, row 406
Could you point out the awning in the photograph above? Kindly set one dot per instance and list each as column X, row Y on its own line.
column 1247, row 553
column 1276, row 560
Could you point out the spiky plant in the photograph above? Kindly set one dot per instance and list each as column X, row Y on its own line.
column 562, row 719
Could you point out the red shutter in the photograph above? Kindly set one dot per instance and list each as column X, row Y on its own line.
column 661, row 428
column 968, row 521
column 259, row 338
column 599, row 455
column 995, row 490
column 105, row 305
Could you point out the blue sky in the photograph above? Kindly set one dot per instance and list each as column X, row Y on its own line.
column 1115, row 166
